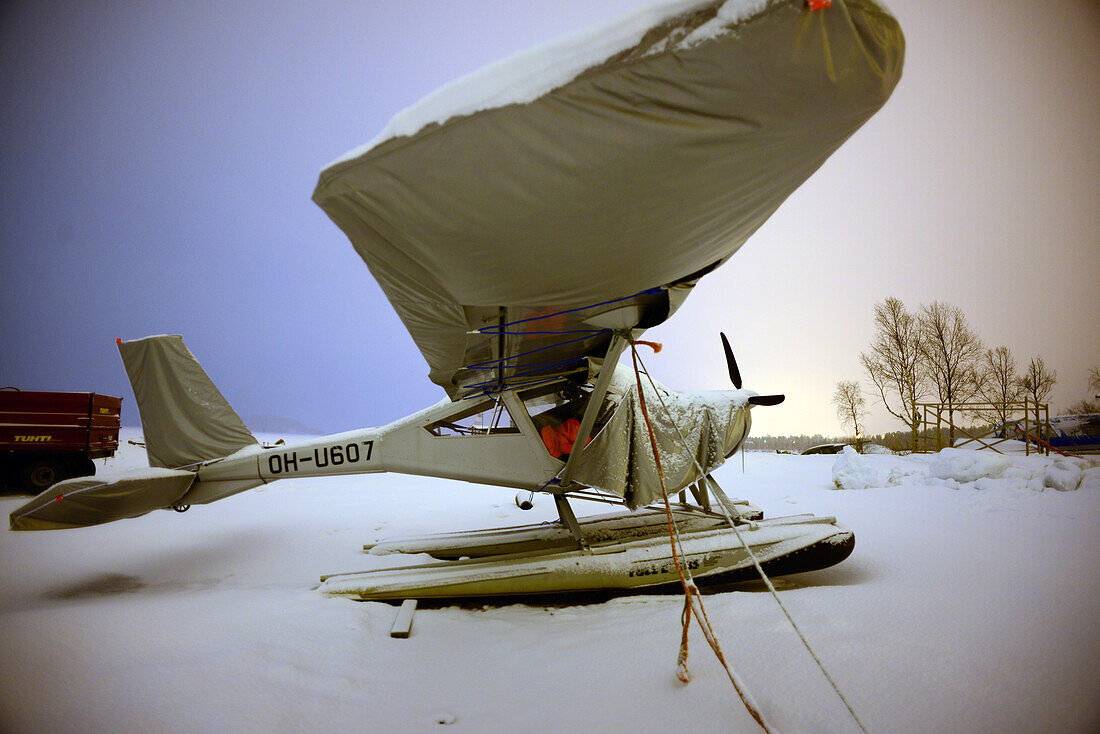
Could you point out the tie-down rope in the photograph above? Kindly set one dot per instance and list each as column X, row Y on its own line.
column 693, row 600
column 722, row 503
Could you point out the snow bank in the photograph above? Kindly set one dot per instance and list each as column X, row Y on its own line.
column 966, row 469
column 984, row 470
column 1091, row 479
column 853, row 470
column 964, row 465
column 1063, row 476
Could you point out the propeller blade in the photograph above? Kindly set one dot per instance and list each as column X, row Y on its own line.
column 766, row 399
column 731, row 363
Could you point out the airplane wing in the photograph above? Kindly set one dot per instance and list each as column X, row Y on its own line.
column 514, row 217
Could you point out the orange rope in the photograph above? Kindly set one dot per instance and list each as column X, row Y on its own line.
column 692, row 597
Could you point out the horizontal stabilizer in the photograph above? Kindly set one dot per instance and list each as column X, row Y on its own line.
column 76, row 503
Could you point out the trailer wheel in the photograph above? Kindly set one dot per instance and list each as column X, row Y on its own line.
column 37, row 475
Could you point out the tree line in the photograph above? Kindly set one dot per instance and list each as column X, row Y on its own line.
column 792, row 443
column 932, row 355
column 797, row 443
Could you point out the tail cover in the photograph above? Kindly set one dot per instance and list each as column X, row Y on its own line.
column 183, row 416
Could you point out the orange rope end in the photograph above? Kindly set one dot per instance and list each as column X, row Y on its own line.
column 655, row 346
column 682, row 671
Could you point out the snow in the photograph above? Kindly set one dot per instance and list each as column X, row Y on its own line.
column 529, row 74
column 730, row 14
column 852, row 472
column 967, row 606
column 966, row 469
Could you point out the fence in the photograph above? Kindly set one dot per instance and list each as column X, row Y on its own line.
column 1025, row 420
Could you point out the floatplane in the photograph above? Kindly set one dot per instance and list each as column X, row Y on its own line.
column 528, row 223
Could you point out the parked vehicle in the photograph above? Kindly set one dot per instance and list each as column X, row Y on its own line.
column 49, row 436
column 825, row 448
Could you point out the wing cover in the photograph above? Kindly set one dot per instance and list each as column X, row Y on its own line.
column 495, row 233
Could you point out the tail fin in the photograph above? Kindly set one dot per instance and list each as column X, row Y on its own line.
column 183, row 416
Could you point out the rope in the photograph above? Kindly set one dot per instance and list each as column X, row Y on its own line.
column 525, row 354
column 693, row 600
column 538, row 371
column 539, row 333
column 504, row 387
column 540, row 317
column 723, row 500
column 502, row 383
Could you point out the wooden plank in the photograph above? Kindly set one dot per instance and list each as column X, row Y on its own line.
column 402, row 625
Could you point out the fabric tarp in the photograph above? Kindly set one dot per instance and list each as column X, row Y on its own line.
column 649, row 167
column 184, row 417
column 84, row 501
column 693, row 431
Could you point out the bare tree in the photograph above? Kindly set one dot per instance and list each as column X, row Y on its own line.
column 850, row 409
column 893, row 363
column 1092, row 403
column 1001, row 384
column 952, row 353
column 1038, row 381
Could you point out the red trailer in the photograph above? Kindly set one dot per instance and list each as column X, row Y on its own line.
column 49, row 436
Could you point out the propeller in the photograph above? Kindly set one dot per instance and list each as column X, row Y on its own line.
column 735, row 377
column 731, row 363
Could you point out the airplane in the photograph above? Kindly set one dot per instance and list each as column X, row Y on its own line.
column 528, row 223
column 201, row 452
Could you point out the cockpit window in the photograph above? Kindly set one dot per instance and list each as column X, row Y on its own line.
column 483, row 418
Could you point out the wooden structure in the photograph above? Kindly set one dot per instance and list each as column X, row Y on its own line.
column 1028, row 421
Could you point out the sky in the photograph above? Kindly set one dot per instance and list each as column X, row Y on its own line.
column 157, row 161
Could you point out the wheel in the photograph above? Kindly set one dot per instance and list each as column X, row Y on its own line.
column 40, row 474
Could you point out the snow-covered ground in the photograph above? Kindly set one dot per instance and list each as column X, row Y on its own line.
column 967, row 606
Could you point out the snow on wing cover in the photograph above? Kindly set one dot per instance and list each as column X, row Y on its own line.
column 647, row 167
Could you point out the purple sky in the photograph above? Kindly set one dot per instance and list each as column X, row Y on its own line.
column 156, row 164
